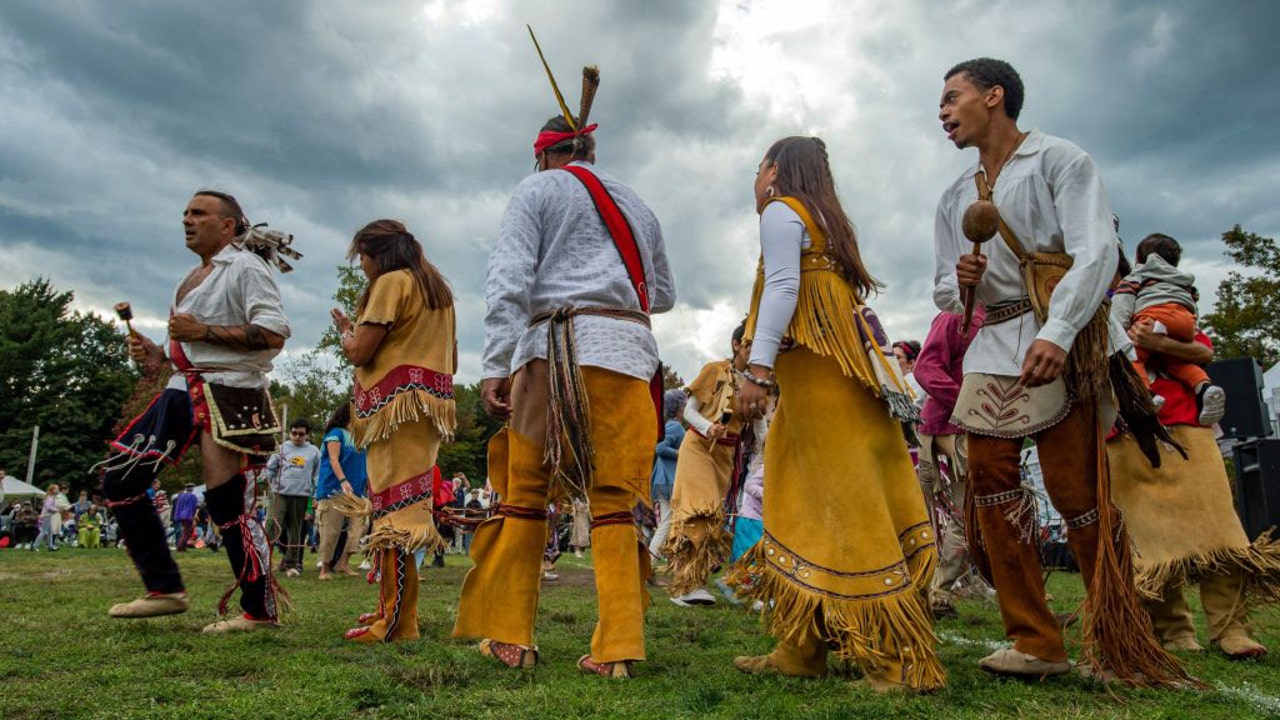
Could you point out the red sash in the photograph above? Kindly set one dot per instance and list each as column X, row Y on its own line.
column 625, row 240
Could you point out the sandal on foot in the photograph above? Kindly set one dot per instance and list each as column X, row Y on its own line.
column 620, row 669
column 510, row 654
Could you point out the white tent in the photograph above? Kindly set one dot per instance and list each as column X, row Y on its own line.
column 13, row 487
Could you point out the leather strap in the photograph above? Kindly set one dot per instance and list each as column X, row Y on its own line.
column 1006, row 233
column 623, row 238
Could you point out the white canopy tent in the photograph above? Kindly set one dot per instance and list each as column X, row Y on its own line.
column 15, row 488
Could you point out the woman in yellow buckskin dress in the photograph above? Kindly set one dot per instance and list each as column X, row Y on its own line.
column 850, row 573
column 699, row 541
column 402, row 344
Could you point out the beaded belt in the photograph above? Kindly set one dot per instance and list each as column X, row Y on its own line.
column 1007, row 310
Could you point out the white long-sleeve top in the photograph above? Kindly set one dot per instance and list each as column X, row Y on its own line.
column 782, row 238
column 1051, row 196
column 553, row 251
column 695, row 418
column 240, row 290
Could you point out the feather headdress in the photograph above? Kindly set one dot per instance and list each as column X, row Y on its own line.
column 579, row 127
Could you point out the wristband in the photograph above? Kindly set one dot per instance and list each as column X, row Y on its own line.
column 767, row 383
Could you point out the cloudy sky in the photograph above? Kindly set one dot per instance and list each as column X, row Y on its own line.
column 321, row 116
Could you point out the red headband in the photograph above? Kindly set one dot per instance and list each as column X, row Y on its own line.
column 548, row 139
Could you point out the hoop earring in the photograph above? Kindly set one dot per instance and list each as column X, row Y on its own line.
column 770, row 192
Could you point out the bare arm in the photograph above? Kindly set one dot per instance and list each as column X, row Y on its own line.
column 185, row 327
column 359, row 342
column 333, row 447
column 1192, row 352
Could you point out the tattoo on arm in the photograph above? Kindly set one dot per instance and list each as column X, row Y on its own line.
column 237, row 337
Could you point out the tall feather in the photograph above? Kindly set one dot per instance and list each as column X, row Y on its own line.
column 564, row 109
column 590, row 82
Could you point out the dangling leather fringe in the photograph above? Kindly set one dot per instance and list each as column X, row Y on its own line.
column 1257, row 564
column 1117, row 630
column 257, row 565
column 388, row 537
column 830, row 320
column 697, row 545
column 855, row 629
column 824, row 322
column 1086, row 373
column 1138, row 415
column 406, row 407
column 977, row 542
column 568, row 448
column 352, row 506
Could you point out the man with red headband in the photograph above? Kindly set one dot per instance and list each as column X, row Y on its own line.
column 578, row 266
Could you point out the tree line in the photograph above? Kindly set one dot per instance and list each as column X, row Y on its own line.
column 69, row 371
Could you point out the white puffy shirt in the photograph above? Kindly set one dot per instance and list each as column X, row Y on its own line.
column 240, row 290
column 1050, row 195
column 553, row 251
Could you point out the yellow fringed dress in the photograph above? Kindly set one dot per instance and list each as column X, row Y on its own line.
column 1182, row 520
column 699, row 542
column 403, row 408
column 852, row 570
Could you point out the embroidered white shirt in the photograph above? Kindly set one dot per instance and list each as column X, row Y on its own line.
column 240, row 290
column 1051, row 196
column 553, row 251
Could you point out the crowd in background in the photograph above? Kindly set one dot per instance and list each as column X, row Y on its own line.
column 293, row 502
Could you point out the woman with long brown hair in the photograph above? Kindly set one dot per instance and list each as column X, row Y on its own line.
column 403, row 347
column 852, row 572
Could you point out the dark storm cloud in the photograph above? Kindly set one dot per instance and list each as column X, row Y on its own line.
column 319, row 117
column 323, row 116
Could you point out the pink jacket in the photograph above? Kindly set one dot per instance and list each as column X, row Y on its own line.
column 940, row 370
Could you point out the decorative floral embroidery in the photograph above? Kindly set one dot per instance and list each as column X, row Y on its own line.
column 1000, row 406
column 402, row 379
column 402, row 495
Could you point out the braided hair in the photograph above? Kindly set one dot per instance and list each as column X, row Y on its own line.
column 804, row 172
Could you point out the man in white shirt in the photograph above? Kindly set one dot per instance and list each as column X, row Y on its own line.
column 555, row 270
column 1026, row 377
column 225, row 326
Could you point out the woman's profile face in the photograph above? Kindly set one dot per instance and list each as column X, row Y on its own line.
column 369, row 266
column 766, row 173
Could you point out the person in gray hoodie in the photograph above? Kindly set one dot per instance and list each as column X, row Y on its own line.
column 1158, row 294
column 293, row 472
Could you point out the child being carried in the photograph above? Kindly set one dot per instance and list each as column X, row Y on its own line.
column 1160, row 294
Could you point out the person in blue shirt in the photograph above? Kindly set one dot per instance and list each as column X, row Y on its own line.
column 664, row 467
column 342, row 470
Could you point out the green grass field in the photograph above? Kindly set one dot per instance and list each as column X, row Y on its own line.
column 61, row 657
